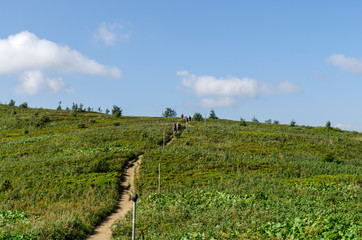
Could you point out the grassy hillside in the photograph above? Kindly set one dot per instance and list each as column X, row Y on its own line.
column 60, row 173
column 60, row 170
column 228, row 181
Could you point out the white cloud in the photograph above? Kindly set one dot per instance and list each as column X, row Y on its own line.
column 349, row 127
column 33, row 82
column 25, row 51
column 225, row 90
column 219, row 102
column 347, row 64
column 110, row 34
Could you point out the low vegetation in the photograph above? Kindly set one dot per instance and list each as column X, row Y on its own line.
column 60, row 174
column 226, row 180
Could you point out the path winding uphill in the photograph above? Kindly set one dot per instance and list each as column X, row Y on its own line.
column 104, row 231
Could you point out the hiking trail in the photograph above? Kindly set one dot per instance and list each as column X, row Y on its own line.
column 103, row 231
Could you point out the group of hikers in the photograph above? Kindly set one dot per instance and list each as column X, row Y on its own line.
column 177, row 126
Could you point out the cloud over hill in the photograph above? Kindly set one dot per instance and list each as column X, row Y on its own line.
column 25, row 53
column 223, row 92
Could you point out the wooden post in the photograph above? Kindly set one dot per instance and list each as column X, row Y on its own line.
column 159, row 178
column 134, row 199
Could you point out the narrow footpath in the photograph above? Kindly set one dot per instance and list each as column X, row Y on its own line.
column 103, row 231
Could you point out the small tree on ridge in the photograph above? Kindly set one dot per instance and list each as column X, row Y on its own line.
column 169, row 112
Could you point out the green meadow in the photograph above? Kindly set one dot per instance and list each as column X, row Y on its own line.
column 260, row 181
column 60, row 175
column 60, row 171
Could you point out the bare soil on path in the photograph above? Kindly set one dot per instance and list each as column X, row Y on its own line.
column 103, row 231
column 125, row 204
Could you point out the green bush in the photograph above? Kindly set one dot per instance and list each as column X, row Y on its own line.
column 254, row 120
column 198, row 117
column 213, row 114
column 80, row 125
column 169, row 112
column 116, row 111
column 293, row 123
column 24, row 105
column 11, row 103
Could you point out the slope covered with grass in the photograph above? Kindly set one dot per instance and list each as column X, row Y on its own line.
column 260, row 181
column 60, row 170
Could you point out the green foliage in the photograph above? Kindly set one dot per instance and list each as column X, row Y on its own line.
column 330, row 157
column 197, row 117
column 81, row 125
column 11, row 103
column 59, row 106
column 23, row 105
column 260, row 181
column 269, row 121
column 169, row 112
column 213, row 114
column 116, row 111
column 63, row 178
column 276, row 122
column 6, row 185
column 255, row 120
column 328, row 125
column 243, row 122
column 293, row 123
column 42, row 121
column 222, row 181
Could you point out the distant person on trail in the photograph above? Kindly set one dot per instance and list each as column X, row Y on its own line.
column 189, row 118
column 178, row 126
column 174, row 127
column 182, row 115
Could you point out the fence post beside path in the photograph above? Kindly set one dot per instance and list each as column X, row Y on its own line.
column 134, row 199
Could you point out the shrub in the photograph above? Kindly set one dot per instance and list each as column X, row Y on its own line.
column 213, row 115
column 24, row 105
column 269, row 121
column 42, row 121
column 255, row 120
column 276, row 122
column 328, row 125
column 99, row 166
column 198, row 117
column 6, row 185
column 116, row 111
column 81, row 125
column 169, row 112
column 116, row 124
column 26, row 131
column 242, row 122
column 330, row 157
column 293, row 123
column 11, row 103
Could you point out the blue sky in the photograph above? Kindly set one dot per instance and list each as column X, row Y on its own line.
column 279, row 60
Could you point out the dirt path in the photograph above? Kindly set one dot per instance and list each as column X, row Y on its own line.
column 125, row 204
column 103, row 231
